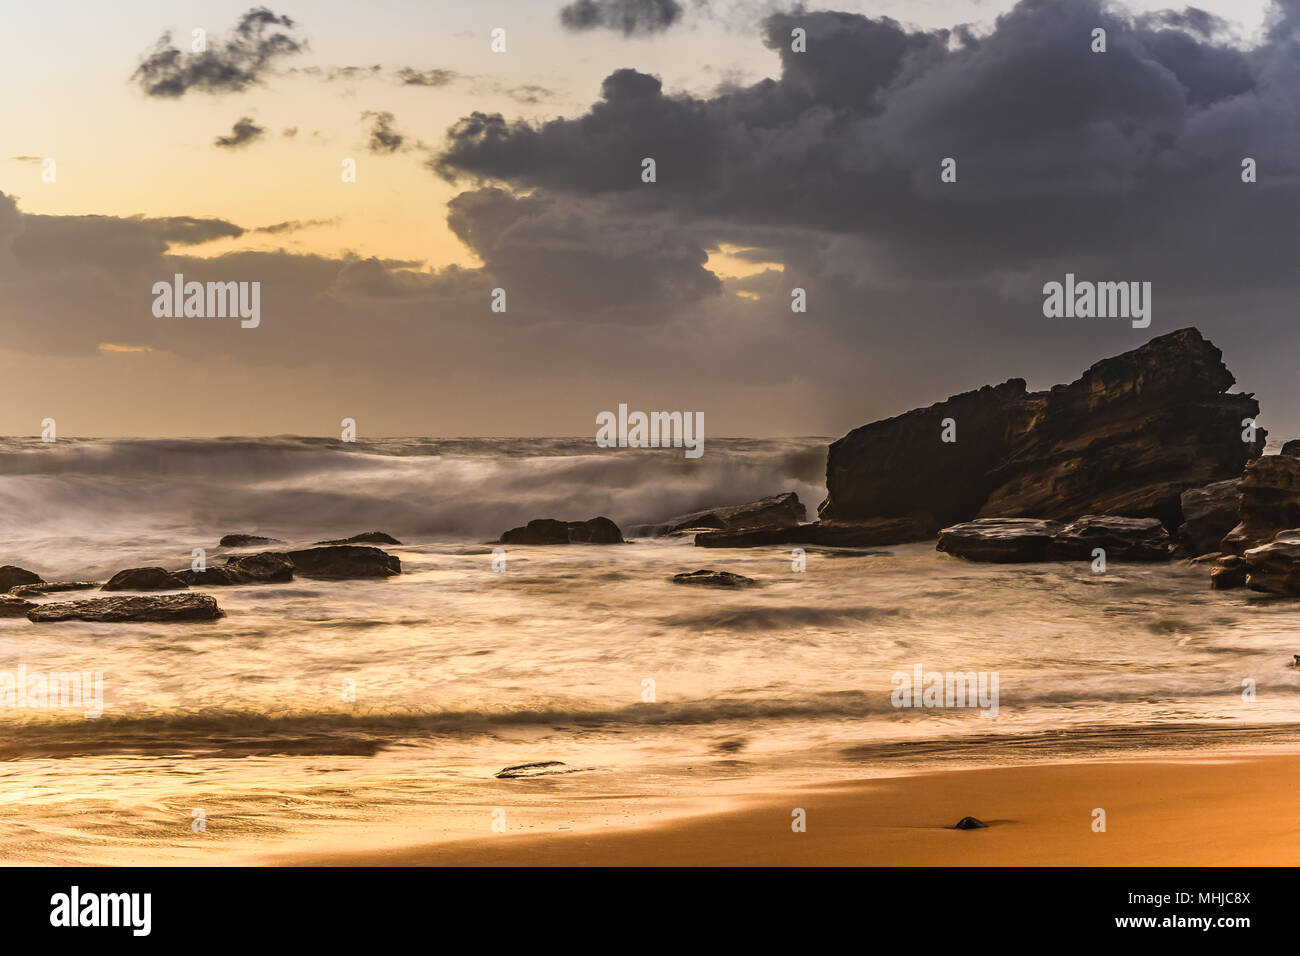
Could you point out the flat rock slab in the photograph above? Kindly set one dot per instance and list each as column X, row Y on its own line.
column 540, row 768
column 14, row 607
column 52, row 587
column 246, row 541
column 168, row 607
column 1130, row 539
column 714, row 579
column 1000, row 540
column 366, row 537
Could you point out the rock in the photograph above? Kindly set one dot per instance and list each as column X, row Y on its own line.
column 368, row 537
column 1126, row 539
column 1228, row 572
column 970, row 823
column 1270, row 502
column 828, row 534
column 12, row 577
column 714, row 579
column 1209, row 512
column 51, row 587
column 1274, row 567
column 14, row 607
column 246, row 541
column 776, row 511
column 144, row 579
column 540, row 768
column 1291, row 448
column 265, row 567
column 169, row 607
column 1002, row 540
column 598, row 530
column 345, row 561
column 1127, row 437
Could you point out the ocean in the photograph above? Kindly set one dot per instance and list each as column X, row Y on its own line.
column 378, row 712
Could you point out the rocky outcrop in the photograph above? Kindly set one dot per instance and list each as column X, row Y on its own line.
column 714, row 579
column 12, row 576
column 775, row 511
column 1229, row 571
column 599, row 530
column 828, row 534
column 1122, row 539
column 51, row 587
column 1274, row 568
column 1291, row 448
column 246, row 541
column 345, row 561
column 266, row 567
column 1000, row 540
column 366, row 537
column 144, row 579
column 1209, row 513
column 167, row 608
column 1127, row 438
column 1270, row 502
column 14, row 607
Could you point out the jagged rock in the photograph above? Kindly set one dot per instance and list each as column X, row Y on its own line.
column 12, row 576
column 828, row 534
column 367, row 537
column 345, row 561
column 714, row 579
column 265, row 567
column 1209, row 512
column 51, row 587
column 1274, row 567
column 169, row 607
column 1229, row 571
column 776, row 511
column 144, row 579
column 599, row 530
column 1127, row 539
column 970, row 823
column 1001, row 540
column 1128, row 437
column 14, row 607
column 1270, row 502
column 540, row 768
column 246, row 541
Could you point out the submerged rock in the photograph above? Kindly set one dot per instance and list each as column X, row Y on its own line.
column 828, row 534
column 12, row 576
column 539, row 768
column 970, row 823
column 1228, row 572
column 1270, row 502
column 144, row 579
column 367, row 537
column 1000, row 540
column 246, row 541
column 1129, row 539
column 599, row 530
column 52, row 587
column 345, row 561
column 1209, row 512
column 714, row 579
column 776, row 511
column 14, row 607
column 169, row 607
column 1127, row 437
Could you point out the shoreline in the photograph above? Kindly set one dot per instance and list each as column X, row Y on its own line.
column 1238, row 808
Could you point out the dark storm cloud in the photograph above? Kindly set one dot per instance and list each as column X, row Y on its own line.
column 241, row 134
column 384, row 138
column 631, row 17
column 228, row 66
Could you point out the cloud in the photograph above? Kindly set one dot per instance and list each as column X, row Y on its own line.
column 241, row 134
column 630, row 17
column 295, row 225
column 412, row 77
column 228, row 66
column 384, row 138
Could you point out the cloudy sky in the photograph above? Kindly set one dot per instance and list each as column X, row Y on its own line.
column 521, row 170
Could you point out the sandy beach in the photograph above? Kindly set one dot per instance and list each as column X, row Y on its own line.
column 1215, row 811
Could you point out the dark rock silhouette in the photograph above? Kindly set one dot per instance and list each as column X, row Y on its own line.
column 1123, row 539
column 12, row 576
column 599, row 530
column 144, row 579
column 169, row 607
column 1209, row 513
column 367, row 537
column 51, row 587
column 714, row 579
column 775, row 511
column 265, row 567
column 345, row 561
column 1270, row 502
column 246, row 541
column 970, row 823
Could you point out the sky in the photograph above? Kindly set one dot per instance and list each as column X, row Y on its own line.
column 127, row 156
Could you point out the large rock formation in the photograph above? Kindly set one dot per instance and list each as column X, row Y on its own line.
column 1270, row 502
column 1126, row 438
